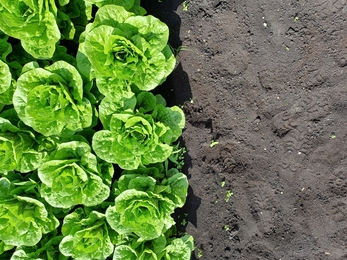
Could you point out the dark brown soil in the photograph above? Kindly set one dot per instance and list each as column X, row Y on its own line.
column 267, row 80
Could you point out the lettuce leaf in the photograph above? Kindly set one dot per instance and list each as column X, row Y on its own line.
column 6, row 86
column 5, row 77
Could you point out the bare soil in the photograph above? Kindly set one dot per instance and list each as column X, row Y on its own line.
column 266, row 80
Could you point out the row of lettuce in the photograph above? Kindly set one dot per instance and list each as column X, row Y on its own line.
column 76, row 108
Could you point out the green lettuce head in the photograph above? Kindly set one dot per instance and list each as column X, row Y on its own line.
column 51, row 101
column 178, row 249
column 131, row 48
column 23, row 220
column 173, row 185
column 34, row 23
column 138, row 136
column 74, row 176
column 144, row 205
column 86, row 236
column 144, row 213
column 18, row 149
column 164, row 247
column 133, row 140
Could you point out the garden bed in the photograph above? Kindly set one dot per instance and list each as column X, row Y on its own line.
column 267, row 81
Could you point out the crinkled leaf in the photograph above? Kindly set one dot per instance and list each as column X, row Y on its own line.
column 155, row 32
column 178, row 184
column 5, row 77
column 122, row 252
column 146, row 102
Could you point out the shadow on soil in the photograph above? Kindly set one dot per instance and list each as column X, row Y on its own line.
column 176, row 90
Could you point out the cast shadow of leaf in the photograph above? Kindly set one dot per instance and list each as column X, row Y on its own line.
column 176, row 90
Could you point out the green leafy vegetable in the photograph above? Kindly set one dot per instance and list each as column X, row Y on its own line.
column 6, row 86
column 23, row 220
column 18, row 149
column 144, row 213
column 75, row 75
column 51, row 101
column 172, row 185
column 144, row 206
column 34, row 23
column 74, row 176
column 131, row 48
column 132, row 140
column 178, row 249
column 86, row 236
column 161, row 248
column 135, row 138
column 5, row 77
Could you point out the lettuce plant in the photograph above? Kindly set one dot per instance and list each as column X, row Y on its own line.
column 165, row 247
column 141, row 136
column 144, row 213
column 34, row 23
column 133, row 140
column 178, row 249
column 23, row 220
column 51, row 101
column 143, row 206
column 73, row 176
column 18, row 149
column 131, row 48
column 117, row 98
column 86, row 236
column 172, row 185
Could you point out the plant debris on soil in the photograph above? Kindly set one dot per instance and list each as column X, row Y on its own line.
column 265, row 83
